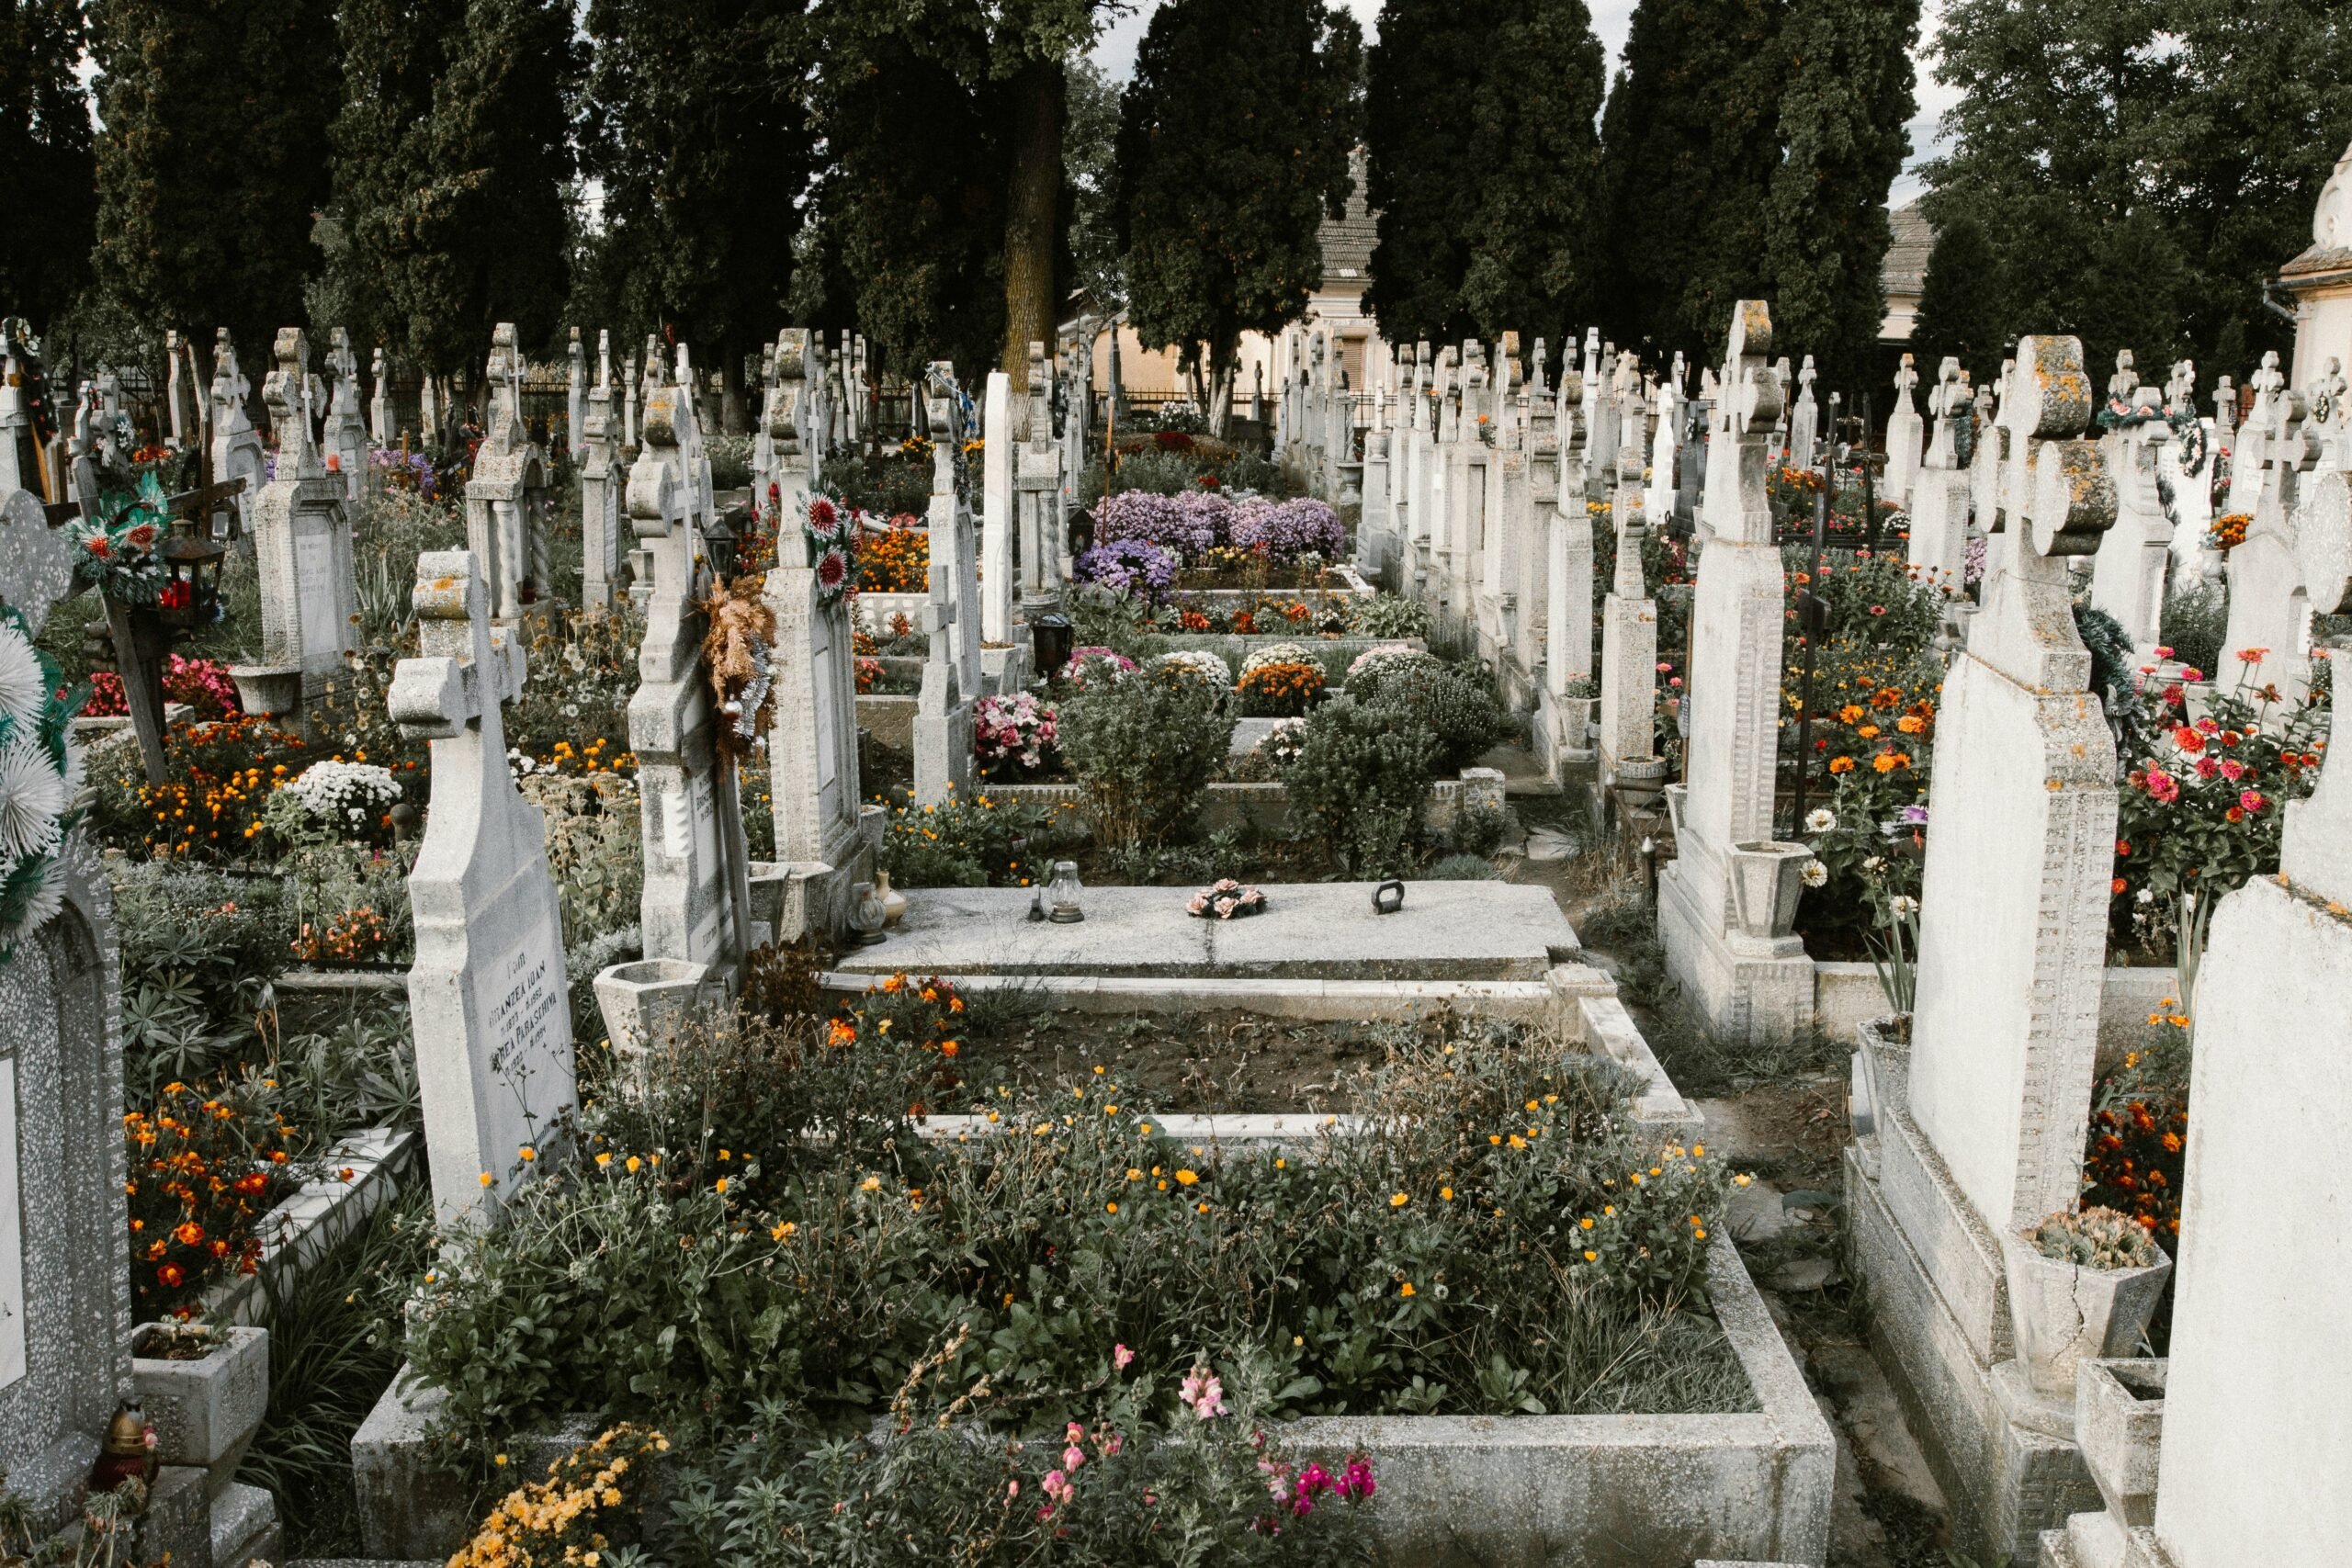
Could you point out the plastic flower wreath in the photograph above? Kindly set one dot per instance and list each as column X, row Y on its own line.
column 39, row 774
column 116, row 549
column 832, row 531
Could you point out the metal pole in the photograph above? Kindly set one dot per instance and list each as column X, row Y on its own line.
column 1811, row 614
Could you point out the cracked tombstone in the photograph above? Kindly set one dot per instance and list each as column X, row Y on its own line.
column 488, row 1001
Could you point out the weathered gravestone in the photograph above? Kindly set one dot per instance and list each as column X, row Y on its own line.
column 236, row 444
column 2267, row 640
column 1983, row 1128
column 942, row 728
column 2257, row 1411
column 2127, row 575
column 1726, row 902
column 950, row 522
column 1567, row 571
column 1903, row 433
column 1804, row 419
column 1938, row 544
column 697, row 896
column 997, row 506
column 600, row 491
column 1039, row 489
column 301, row 537
column 821, row 836
column 487, row 997
column 343, row 437
column 507, row 499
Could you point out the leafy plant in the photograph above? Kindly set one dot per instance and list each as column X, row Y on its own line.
column 1361, row 773
column 969, row 841
column 2094, row 1238
column 1146, row 749
column 1388, row 615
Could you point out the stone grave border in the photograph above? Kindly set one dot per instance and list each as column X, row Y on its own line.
column 316, row 1217
column 1508, row 1490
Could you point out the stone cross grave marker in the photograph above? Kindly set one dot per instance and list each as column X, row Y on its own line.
column 696, row 907
column 951, row 522
column 943, row 710
column 185, row 423
column 1939, row 543
column 1903, row 433
column 506, row 499
column 303, row 554
column 345, row 437
column 1628, row 653
column 2127, row 576
column 236, row 445
column 381, row 424
column 600, row 482
column 1040, row 491
column 487, row 1002
column 998, row 509
column 2270, row 615
column 2258, row 1416
column 2013, row 930
column 1804, row 419
column 575, row 406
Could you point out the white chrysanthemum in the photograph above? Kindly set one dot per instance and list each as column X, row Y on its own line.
column 21, row 693
column 33, row 797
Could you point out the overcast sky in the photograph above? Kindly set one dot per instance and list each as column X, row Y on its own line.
column 1610, row 18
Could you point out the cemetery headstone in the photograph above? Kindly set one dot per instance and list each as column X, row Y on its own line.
column 950, row 521
column 1040, row 488
column 695, row 908
column 302, row 535
column 997, row 525
column 1628, row 656
column 185, row 424
column 2268, row 639
column 344, row 437
column 487, row 1002
column 1719, row 900
column 2257, row 1418
column 2128, row 577
column 575, row 408
column 600, row 482
column 236, row 445
column 381, row 424
column 1904, row 435
column 812, row 738
column 1804, row 419
column 1567, row 608
column 507, row 498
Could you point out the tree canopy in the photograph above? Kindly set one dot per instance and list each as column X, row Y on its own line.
column 45, row 162
column 1233, row 139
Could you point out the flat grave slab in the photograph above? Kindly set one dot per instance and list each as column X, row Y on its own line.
column 1447, row 930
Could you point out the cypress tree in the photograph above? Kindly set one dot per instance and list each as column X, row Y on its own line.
column 454, row 159
column 45, row 163
column 699, row 131
column 1535, row 164
column 1962, row 309
column 1844, row 106
column 1690, row 144
column 1234, row 139
column 1432, row 59
column 212, row 160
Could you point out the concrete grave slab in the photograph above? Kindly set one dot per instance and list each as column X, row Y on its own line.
column 1458, row 931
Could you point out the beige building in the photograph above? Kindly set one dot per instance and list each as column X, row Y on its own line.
column 2320, row 280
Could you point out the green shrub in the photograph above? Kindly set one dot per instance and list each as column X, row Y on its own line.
column 200, row 950
column 1477, row 830
column 1359, row 781
column 1101, row 618
column 2196, row 620
column 1455, row 701
column 1871, row 601
column 1146, row 749
column 967, row 841
column 1439, row 1258
column 1389, row 614
column 1462, row 868
column 730, row 460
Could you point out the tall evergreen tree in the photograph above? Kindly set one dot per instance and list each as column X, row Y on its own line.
column 1004, row 62
column 1844, row 107
column 1964, row 312
column 454, row 162
column 213, row 159
column 1689, row 145
column 698, row 128
column 1233, row 139
column 1432, row 59
column 1089, row 160
column 1535, row 164
column 908, row 234
column 45, row 163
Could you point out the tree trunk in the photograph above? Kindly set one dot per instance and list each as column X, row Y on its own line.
column 1036, row 92
column 1219, row 407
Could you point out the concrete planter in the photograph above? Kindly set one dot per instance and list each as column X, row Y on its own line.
column 2120, row 1422
column 645, row 1004
column 2063, row 1314
column 1765, row 881
column 1504, row 1491
column 207, row 1411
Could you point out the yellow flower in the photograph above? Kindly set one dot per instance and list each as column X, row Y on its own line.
column 780, row 1232
column 1111, row 1208
column 720, row 1185
column 871, row 1184
column 1200, row 1208
column 1186, row 1178
column 499, row 1460
column 1585, row 1222
column 529, row 1153
column 1405, row 1289
column 631, row 1164
column 1446, row 1193
column 1699, row 1235
column 1398, row 1200
column 602, row 1160
column 1134, row 1173
column 485, row 1178
column 1591, row 1257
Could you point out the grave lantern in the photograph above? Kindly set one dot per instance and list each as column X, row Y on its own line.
column 191, row 595
column 1065, row 889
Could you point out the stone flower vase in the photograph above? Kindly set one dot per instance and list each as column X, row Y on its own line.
column 894, row 903
column 645, row 1005
column 2063, row 1313
column 1767, row 879
column 205, row 1411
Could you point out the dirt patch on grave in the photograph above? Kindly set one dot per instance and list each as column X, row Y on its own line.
column 1217, row 1062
